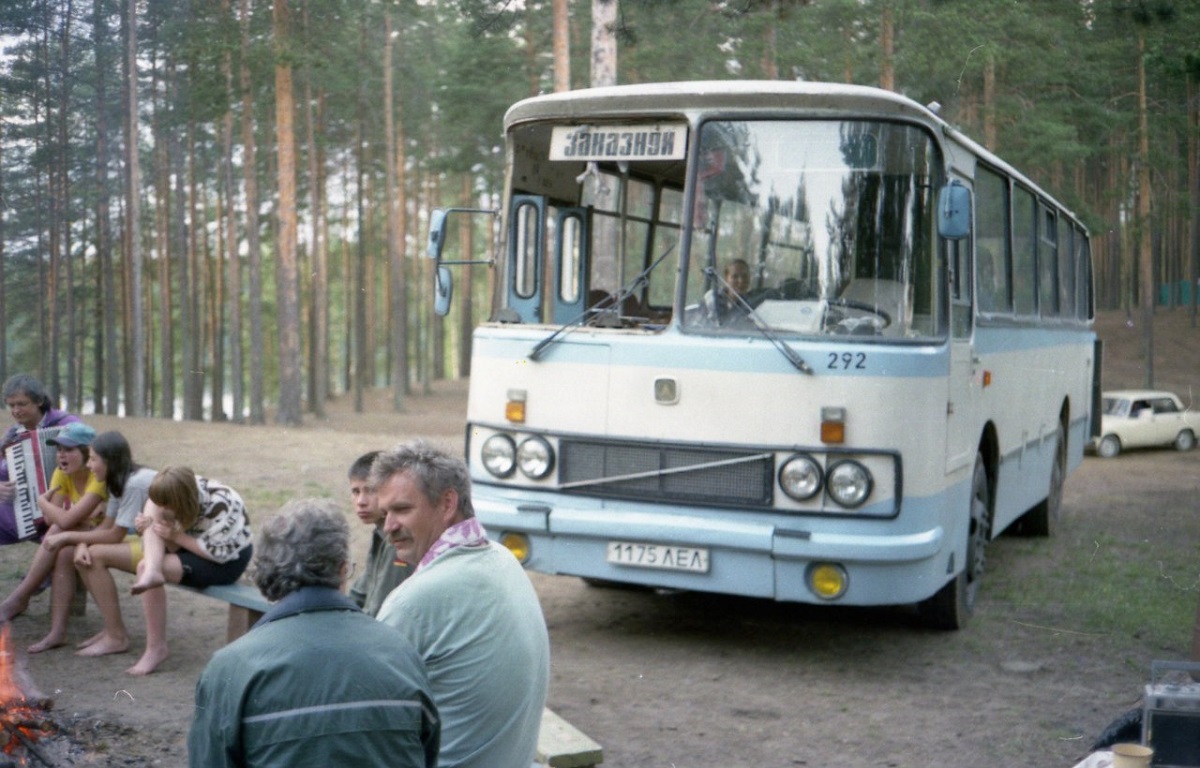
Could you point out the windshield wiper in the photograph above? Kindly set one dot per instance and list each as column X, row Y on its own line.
column 792, row 355
column 639, row 280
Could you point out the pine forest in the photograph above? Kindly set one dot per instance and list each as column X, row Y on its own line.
column 218, row 209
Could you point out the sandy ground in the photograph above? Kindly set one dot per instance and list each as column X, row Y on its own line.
column 687, row 679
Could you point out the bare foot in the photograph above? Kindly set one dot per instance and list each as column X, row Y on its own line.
column 146, row 582
column 92, row 640
column 11, row 609
column 104, row 646
column 149, row 662
column 46, row 643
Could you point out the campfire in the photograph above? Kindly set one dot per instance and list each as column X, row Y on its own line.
column 24, row 714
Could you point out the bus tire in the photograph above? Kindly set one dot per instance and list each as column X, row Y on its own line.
column 1040, row 520
column 951, row 606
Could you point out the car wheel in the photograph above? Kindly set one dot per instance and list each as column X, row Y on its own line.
column 1110, row 446
column 1185, row 440
column 953, row 604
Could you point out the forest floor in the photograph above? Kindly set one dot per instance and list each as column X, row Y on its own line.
column 696, row 680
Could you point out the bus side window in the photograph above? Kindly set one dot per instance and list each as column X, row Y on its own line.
column 1024, row 252
column 1066, row 271
column 1047, row 261
column 991, row 242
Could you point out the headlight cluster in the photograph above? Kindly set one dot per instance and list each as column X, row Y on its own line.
column 502, row 455
column 846, row 481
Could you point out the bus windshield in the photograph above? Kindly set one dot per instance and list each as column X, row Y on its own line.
column 814, row 228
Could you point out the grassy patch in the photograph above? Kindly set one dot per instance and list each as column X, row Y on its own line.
column 1122, row 588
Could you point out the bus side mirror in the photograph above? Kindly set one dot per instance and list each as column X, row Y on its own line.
column 954, row 211
column 437, row 234
column 443, row 291
column 443, row 283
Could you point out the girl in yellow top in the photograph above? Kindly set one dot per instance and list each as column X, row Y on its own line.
column 73, row 501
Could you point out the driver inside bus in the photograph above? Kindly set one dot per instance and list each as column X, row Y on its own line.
column 726, row 301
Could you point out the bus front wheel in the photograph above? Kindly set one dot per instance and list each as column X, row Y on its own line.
column 951, row 607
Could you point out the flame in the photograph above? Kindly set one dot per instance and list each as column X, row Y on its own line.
column 20, row 719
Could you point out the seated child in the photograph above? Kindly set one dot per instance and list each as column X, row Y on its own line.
column 71, row 503
column 383, row 571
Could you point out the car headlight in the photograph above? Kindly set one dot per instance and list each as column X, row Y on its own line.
column 535, row 457
column 800, row 477
column 498, row 455
column 849, row 483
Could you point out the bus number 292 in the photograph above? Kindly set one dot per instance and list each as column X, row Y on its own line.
column 847, row 361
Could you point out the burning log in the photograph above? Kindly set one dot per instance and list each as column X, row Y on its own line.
column 22, row 710
column 27, row 742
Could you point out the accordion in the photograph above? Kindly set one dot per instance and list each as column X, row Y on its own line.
column 31, row 462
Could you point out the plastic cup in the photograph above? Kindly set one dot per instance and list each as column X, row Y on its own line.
column 1131, row 756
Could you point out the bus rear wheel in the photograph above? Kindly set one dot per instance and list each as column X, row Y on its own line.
column 951, row 607
column 1041, row 519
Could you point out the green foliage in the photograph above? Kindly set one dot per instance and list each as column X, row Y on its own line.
column 1112, row 585
column 1063, row 108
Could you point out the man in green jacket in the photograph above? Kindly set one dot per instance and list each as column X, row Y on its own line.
column 316, row 681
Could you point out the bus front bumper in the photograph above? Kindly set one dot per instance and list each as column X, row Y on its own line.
column 702, row 550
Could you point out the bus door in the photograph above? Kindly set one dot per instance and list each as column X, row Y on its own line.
column 962, row 432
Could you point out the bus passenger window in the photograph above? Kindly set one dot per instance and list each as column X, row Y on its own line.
column 1048, row 263
column 991, row 244
column 1024, row 256
column 1066, row 272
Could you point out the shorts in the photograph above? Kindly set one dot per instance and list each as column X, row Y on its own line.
column 199, row 572
column 135, row 549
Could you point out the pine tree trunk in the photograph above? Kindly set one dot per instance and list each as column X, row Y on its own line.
column 286, row 271
column 604, row 43
column 135, row 394
column 562, row 46
column 1145, row 253
column 395, row 216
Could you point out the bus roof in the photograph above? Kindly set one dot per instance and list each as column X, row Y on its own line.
column 766, row 96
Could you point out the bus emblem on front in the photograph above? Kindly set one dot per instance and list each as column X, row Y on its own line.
column 666, row 391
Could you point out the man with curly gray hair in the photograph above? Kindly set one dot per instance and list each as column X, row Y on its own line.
column 316, row 681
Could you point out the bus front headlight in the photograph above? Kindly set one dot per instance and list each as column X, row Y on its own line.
column 498, row 455
column 535, row 457
column 849, row 483
column 800, row 477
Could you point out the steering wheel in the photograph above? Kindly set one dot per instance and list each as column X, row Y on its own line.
column 863, row 306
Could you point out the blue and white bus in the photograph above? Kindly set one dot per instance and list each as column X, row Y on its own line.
column 798, row 341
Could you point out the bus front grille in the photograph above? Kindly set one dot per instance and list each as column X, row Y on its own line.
column 666, row 473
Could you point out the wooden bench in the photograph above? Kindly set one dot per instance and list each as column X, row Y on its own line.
column 560, row 744
column 246, row 605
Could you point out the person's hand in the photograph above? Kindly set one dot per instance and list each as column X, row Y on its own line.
column 8, row 490
column 142, row 522
column 53, row 541
column 168, row 532
column 83, row 555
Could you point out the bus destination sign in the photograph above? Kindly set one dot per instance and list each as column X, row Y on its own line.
column 625, row 142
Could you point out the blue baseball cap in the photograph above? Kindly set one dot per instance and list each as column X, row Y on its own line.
column 73, row 435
